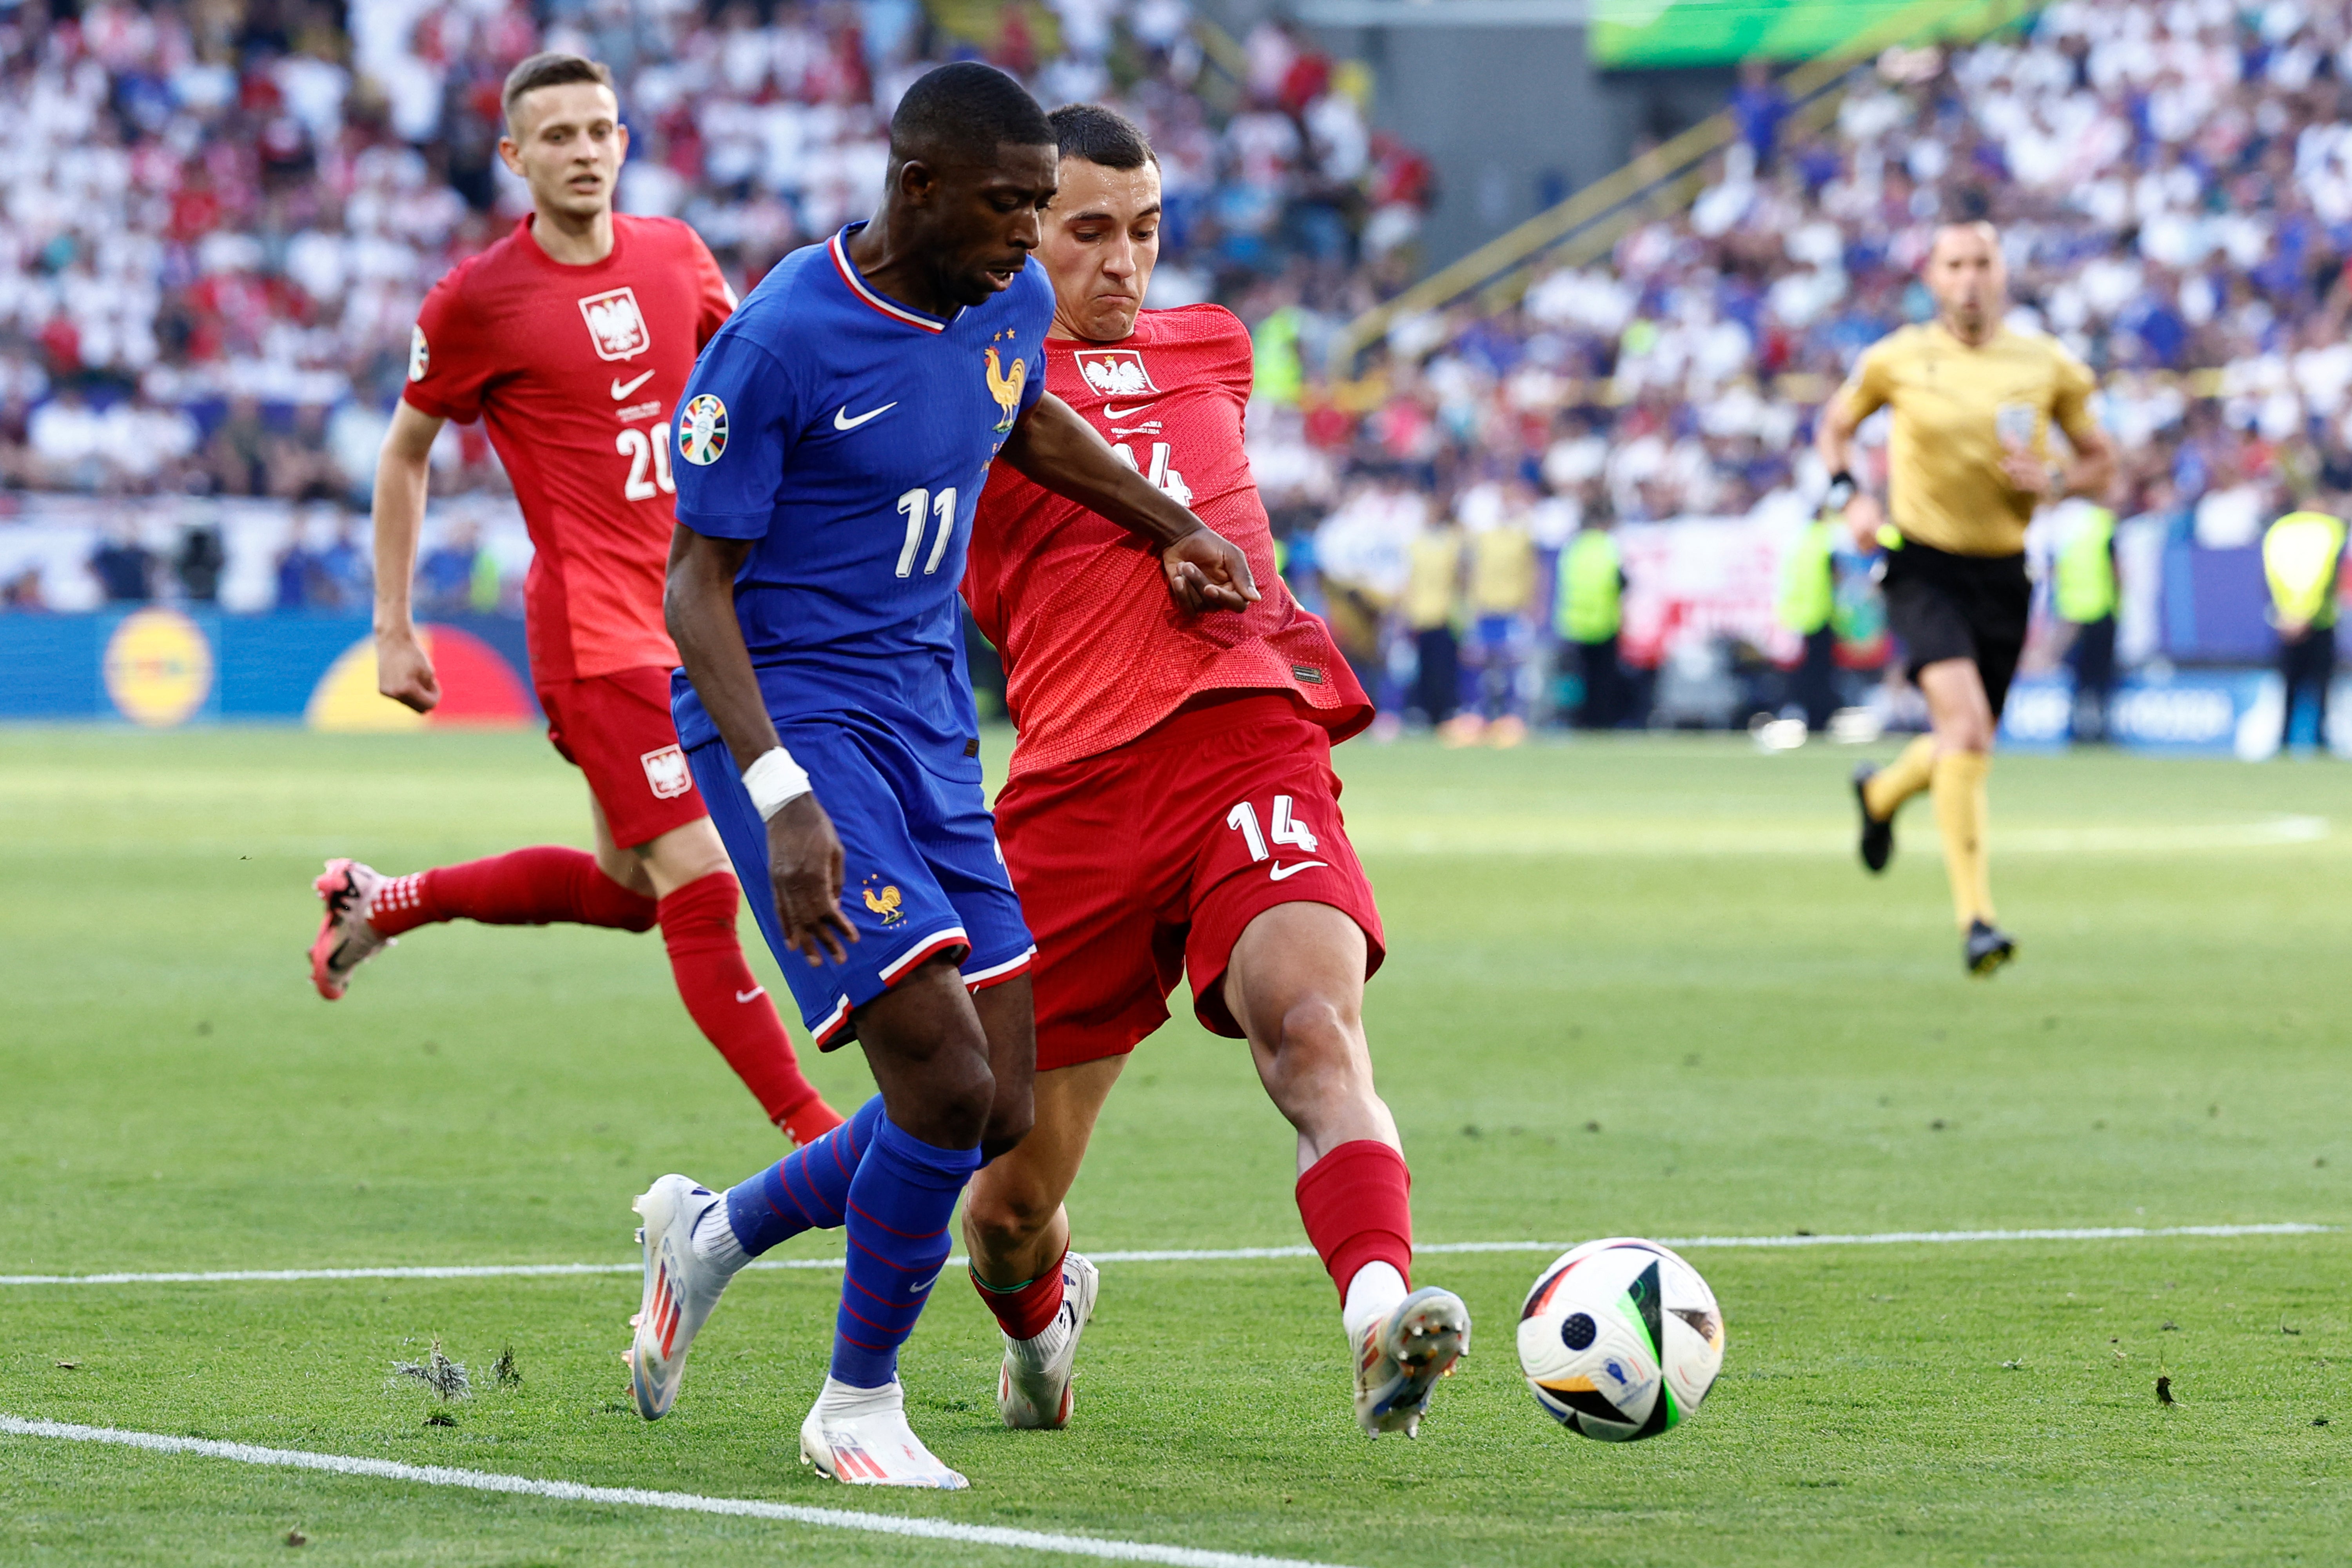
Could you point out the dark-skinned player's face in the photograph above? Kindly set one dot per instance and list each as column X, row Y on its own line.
column 979, row 218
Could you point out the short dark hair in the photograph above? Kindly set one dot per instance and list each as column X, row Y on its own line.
column 552, row 68
column 1100, row 135
column 966, row 107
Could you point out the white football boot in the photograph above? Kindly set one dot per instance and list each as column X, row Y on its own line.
column 346, row 940
column 1400, row 1356
column 860, row 1436
column 1039, row 1397
column 679, row 1291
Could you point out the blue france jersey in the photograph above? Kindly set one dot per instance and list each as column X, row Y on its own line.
column 849, row 436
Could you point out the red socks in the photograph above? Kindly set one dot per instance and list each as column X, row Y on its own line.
column 1357, row 1202
column 732, row 1009
column 1030, row 1310
column 524, row 888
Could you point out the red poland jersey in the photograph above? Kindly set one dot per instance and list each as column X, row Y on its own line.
column 575, row 370
column 1095, row 652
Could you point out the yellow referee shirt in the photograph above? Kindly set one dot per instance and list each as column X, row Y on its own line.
column 1956, row 410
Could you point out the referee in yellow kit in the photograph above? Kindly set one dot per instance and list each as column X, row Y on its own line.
column 1969, row 461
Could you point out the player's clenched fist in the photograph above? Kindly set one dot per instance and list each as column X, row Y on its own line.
column 403, row 672
column 804, row 865
column 1206, row 571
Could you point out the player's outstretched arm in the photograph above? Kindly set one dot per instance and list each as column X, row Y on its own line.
column 1054, row 446
column 404, row 671
column 804, row 851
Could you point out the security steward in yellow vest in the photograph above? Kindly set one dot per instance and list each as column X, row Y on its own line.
column 1809, row 608
column 2301, row 555
column 1590, row 611
column 2087, row 596
column 1969, row 461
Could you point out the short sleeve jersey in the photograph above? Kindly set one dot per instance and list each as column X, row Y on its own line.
column 1095, row 651
column 576, row 373
column 1955, row 407
column 848, row 437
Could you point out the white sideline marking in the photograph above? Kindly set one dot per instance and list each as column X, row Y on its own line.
column 1216, row 1255
column 634, row 1496
column 638, row 1497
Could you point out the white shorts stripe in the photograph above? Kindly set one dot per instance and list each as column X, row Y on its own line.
column 972, row 977
column 638, row 1497
column 930, row 944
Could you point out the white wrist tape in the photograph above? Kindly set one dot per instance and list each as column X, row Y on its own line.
column 774, row 781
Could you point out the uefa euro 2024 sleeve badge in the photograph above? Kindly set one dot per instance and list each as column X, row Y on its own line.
column 702, row 430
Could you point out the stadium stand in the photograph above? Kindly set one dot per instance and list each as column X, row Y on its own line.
column 227, row 215
column 2174, row 183
column 221, row 219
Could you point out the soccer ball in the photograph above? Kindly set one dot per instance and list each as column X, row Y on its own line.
column 1620, row 1339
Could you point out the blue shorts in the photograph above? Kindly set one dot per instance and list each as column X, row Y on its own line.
column 921, row 874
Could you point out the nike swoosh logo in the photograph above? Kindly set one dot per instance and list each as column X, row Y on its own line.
column 920, row 1288
column 754, row 995
column 623, row 388
column 1110, row 413
column 842, row 421
column 1279, row 872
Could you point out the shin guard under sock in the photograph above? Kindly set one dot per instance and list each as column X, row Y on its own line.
column 808, row 1189
column 1960, row 818
column 1357, row 1203
column 1901, row 779
column 899, row 1204
column 733, row 1010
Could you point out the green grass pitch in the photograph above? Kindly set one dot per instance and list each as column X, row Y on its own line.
column 1634, row 987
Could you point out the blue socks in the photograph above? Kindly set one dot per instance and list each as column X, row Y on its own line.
column 899, row 1205
column 896, row 1194
column 808, row 1189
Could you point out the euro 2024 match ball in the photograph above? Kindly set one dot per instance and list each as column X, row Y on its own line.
column 1620, row 1340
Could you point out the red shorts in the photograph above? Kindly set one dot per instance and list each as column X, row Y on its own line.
column 617, row 730
column 1148, row 861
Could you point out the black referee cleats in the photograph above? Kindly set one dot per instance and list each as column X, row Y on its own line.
column 1987, row 949
column 1877, row 838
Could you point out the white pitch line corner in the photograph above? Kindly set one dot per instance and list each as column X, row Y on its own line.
column 678, row 1502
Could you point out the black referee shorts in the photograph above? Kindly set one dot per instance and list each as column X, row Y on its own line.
column 1940, row 605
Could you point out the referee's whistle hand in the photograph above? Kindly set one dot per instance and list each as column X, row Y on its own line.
column 804, row 868
column 1206, row 571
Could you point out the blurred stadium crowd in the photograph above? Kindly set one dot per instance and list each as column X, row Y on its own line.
column 222, row 216
column 2173, row 179
column 225, row 213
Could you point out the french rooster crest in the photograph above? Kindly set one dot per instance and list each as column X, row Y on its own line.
column 1004, row 388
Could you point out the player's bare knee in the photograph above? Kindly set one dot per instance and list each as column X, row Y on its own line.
column 1006, row 1216
column 627, row 870
column 1971, row 737
column 1318, row 1056
column 1316, row 1033
column 1008, row 1123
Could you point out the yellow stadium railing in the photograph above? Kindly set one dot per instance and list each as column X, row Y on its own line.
column 1664, row 179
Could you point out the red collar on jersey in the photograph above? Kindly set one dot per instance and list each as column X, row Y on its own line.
column 858, row 285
